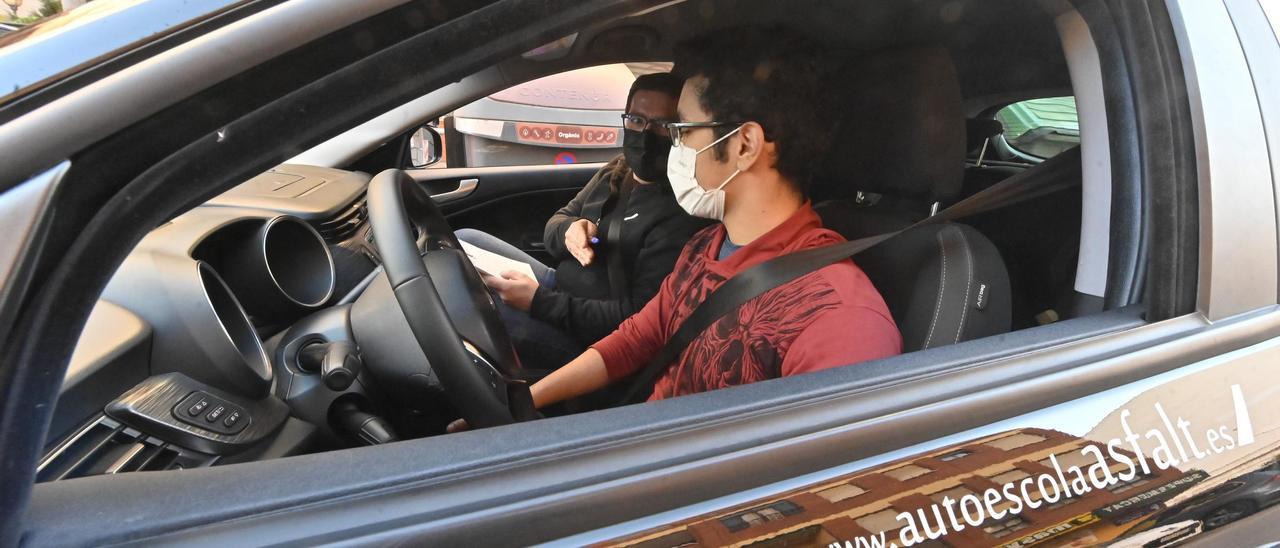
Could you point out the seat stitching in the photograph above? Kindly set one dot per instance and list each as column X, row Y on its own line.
column 964, row 245
column 942, row 288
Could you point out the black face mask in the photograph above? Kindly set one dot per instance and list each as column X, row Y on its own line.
column 646, row 154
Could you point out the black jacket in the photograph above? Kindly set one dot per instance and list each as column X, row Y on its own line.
column 654, row 232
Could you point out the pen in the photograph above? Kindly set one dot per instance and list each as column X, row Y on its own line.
column 595, row 240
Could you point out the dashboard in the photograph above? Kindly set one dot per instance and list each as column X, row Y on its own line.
column 189, row 355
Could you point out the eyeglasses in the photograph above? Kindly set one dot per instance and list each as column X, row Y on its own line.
column 679, row 129
column 636, row 122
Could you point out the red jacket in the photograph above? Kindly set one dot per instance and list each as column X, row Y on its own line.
column 828, row 318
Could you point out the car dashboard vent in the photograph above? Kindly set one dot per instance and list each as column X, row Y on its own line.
column 345, row 224
column 108, row 447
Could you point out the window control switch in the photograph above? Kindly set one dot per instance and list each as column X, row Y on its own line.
column 211, row 414
column 198, row 408
column 214, row 415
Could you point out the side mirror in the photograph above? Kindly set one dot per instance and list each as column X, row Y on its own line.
column 424, row 147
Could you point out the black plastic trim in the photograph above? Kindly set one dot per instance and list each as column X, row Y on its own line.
column 151, row 407
column 1169, row 247
column 1154, row 202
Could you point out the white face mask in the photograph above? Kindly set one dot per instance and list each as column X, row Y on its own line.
column 696, row 201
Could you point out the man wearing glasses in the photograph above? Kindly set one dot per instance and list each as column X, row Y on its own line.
column 751, row 130
column 552, row 318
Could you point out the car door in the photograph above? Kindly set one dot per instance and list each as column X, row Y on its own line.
column 809, row 459
column 512, row 203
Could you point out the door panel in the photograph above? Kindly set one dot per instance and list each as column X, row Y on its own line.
column 512, row 203
column 1188, row 450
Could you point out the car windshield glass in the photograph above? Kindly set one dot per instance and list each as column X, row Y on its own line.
column 43, row 38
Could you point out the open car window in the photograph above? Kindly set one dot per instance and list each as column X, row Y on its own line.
column 291, row 255
column 1042, row 128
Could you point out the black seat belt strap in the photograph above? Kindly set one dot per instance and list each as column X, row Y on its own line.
column 1055, row 174
column 613, row 242
column 600, row 205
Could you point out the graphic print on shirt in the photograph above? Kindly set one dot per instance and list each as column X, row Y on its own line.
column 746, row 346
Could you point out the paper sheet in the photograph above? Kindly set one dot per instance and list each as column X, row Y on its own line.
column 493, row 264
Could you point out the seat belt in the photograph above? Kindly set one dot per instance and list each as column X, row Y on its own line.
column 1050, row 176
column 595, row 210
column 613, row 242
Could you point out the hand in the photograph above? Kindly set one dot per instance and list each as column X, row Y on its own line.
column 578, row 240
column 459, row 425
column 516, row 289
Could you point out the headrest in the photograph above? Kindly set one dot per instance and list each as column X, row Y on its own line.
column 979, row 130
column 901, row 132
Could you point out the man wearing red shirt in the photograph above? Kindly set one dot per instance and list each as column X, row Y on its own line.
column 752, row 127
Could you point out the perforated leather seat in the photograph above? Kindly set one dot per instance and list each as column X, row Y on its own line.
column 902, row 142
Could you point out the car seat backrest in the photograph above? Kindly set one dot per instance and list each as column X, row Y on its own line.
column 903, row 139
column 944, row 283
column 902, row 130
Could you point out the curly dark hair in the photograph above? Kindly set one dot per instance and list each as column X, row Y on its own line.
column 773, row 77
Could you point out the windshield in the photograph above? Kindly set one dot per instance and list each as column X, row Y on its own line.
column 40, row 39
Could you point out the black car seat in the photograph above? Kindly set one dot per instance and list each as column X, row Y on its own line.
column 900, row 149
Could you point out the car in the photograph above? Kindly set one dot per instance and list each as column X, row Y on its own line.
column 1166, row 535
column 1231, row 501
column 231, row 311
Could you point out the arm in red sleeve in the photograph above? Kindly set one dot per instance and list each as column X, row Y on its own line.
column 631, row 346
column 843, row 336
column 615, row 356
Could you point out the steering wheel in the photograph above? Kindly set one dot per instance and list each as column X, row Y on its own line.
column 469, row 349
